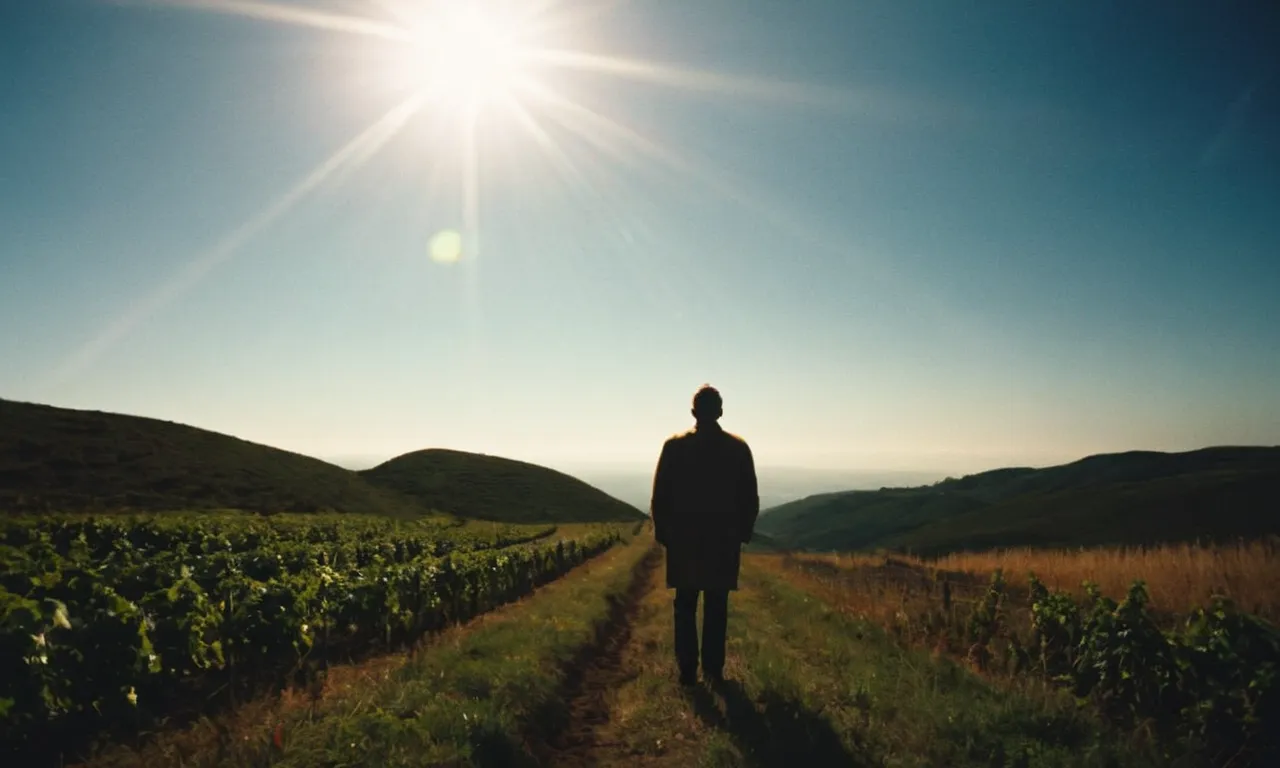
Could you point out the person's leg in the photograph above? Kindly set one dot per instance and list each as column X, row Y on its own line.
column 686, row 621
column 715, row 619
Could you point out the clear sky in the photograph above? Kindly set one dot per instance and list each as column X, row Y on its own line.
column 895, row 235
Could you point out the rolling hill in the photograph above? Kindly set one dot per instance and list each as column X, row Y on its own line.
column 1137, row 497
column 64, row 459
column 75, row 460
column 494, row 488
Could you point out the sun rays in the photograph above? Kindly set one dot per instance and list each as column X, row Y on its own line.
column 354, row 154
column 472, row 62
column 287, row 14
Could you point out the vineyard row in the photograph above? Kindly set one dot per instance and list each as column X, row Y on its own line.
column 110, row 629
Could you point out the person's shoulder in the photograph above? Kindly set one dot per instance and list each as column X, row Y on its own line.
column 679, row 437
column 736, row 439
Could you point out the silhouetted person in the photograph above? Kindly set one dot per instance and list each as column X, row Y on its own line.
column 704, row 507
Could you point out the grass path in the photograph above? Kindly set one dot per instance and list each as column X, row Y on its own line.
column 585, row 740
column 630, row 710
column 811, row 686
column 641, row 715
column 633, row 712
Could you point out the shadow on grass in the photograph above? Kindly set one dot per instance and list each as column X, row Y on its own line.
column 781, row 732
column 492, row 747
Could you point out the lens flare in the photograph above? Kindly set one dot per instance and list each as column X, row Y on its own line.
column 446, row 247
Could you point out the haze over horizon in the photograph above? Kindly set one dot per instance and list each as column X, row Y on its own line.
column 896, row 238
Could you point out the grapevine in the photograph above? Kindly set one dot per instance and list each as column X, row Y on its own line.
column 114, row 624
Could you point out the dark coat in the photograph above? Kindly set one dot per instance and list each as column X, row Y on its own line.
column 705, row 503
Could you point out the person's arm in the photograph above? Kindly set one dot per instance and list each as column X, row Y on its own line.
column 749, row 493
column 660, row 503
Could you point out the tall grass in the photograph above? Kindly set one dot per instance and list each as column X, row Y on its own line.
column 1179, row 577
column 1203, row 681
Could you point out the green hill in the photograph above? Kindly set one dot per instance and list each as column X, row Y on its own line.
column 64, row 459
column 494, row 488
column 72, row 460
column 1137, row 497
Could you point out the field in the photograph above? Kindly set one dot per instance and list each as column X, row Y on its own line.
column 833, row 661
column 1174, row 641
column 115, row 625
column 1178, row 577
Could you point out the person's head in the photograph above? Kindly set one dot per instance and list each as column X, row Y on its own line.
column 707, row 405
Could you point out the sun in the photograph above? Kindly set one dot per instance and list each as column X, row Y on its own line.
column 446, row 59
column 469, row 56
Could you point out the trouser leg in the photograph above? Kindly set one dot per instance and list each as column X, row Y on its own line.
column 715, row 619
column 686, row 621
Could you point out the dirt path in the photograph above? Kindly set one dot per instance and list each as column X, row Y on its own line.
column 604, row 669
column 630, row 709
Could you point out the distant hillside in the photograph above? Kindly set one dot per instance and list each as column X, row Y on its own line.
column 493, row 488
column 63, row 459
column 778, row 485
column 763, row 542
column 1125, row 498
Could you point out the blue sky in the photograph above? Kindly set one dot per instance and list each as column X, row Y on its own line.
column 896, row 235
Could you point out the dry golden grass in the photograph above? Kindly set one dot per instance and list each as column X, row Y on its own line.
column 1179, row 577
column 928, row 602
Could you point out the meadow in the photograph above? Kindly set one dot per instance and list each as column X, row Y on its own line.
column 348, row 640
column 1177, row 641
column 1178, row 577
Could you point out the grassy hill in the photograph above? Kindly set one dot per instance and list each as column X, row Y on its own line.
column 1137, row 497
column 64, row 459
column 72, row 460
column 494, row 488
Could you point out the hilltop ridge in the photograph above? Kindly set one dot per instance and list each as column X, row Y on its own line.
column 66, row 459
column 1134, row 497
column 495, row 488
